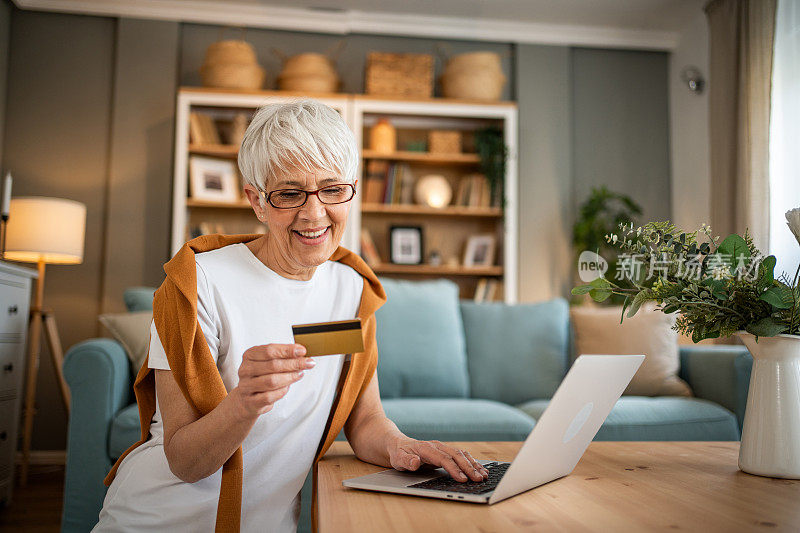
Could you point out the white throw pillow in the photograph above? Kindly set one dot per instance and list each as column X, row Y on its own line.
column 597, row 330
column 132, row 330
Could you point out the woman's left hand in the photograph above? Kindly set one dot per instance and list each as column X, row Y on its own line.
column 410, row 454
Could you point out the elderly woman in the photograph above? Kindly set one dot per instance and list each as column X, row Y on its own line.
column 299, row 163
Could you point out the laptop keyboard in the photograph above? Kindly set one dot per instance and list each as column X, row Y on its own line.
column 448, row 484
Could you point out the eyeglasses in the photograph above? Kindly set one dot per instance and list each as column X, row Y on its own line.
column 291, row 198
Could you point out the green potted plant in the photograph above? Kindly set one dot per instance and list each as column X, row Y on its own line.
column 720, row 289
column 493, row 152
column 599, row 215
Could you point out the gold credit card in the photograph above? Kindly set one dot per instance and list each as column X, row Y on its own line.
column 330, row 338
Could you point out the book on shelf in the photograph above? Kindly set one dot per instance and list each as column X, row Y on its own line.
column 491, row 289
column 485, row 290
column 480, row 290
column 388, row 193
column 406, row 181
column 388, row 183
column 238, row 128
column 474, row 191
column 374, row 181
column 368, row 250
column 202, row 129
column 205, row 228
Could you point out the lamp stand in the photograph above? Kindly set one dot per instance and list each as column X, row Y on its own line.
column 38, row 316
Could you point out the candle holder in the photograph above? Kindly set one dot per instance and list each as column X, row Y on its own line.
column 3, row 231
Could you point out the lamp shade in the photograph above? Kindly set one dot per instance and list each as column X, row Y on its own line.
column 51, row 229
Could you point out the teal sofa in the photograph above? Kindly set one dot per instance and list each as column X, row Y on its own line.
column 448, row 370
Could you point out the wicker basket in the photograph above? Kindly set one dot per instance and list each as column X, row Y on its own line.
column 444, row 142
column 232, row 64
column 405, row 75
column 474, row 75
column 310, row 83
column 472, row 61
column 310, row 63
column 309, row 73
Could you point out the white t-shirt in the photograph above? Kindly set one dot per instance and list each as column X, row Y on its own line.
column 242, row 303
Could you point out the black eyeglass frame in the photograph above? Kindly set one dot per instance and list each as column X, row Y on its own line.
column 268, row 196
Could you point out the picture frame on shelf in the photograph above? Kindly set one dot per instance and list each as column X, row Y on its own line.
column 213, row 180
column 479, row 250
column 406, row 245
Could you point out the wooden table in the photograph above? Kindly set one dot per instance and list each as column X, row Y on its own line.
column 617, row 486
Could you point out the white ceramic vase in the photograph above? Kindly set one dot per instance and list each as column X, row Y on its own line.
column 771, row 431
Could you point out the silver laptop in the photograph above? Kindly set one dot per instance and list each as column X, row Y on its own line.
column 574, row 415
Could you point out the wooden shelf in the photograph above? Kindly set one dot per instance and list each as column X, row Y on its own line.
column 231, row 151
column 242, row 204
column 228, row 151
column 427, row 270
column 451, row 211
column 423, row 157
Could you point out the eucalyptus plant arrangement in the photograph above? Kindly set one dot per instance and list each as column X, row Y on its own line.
column 717, row 287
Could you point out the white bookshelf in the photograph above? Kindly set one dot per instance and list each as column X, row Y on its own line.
column 360, row 112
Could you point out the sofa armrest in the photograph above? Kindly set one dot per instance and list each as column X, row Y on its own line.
column 99, row 377
column 720, row 373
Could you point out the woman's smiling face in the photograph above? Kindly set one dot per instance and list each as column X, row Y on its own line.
column 304, row 237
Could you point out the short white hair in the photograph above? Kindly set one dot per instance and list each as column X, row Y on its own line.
column 304, row 134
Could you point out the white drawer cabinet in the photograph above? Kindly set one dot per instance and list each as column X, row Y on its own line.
column 15, row 296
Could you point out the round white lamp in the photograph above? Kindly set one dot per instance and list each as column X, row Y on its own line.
column 433, row 190
column 43, row 230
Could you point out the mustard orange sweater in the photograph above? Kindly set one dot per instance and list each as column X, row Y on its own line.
column 196, row 373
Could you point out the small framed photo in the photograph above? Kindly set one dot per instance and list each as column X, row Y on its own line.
column 479, row 250
column 213, row 180
column 406, row 245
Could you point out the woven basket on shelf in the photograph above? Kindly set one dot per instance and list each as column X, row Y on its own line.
column 308, row 72
column 233, row 65
column 444, row 141
column 474, row 75
column 474, row 61
column 405, row 75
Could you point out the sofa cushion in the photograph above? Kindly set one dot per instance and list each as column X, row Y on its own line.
column 598, row 331
column 421, row 349
column 516, row 352
column 125, row 430
column 458, row 419
column 132, row 330
column 139, row 298
column 660, row 418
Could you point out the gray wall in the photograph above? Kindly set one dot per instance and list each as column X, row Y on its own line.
column 691, row 175
column 56, row 144
column 544, row 82
column 89, row 115
column 588, row 117
column 620, row 125
column 5, row 23
column 137, row 240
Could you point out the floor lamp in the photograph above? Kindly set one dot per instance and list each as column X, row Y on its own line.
column 43, row 230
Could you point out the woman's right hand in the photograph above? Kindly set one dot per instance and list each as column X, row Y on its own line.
column 265, row 375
